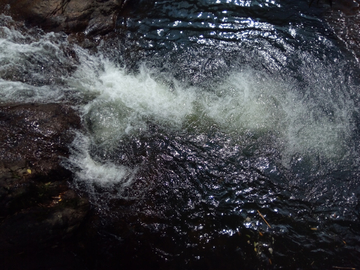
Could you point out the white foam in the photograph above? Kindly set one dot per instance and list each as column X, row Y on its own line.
column 125, row 103
column 315, row 120
column 255, row 102
column 28, row 64
column 96, row 172
column 246, row 101
column 23, row 92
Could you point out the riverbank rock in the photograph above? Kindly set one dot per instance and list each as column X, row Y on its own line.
column 70, row 16
column 38, row 210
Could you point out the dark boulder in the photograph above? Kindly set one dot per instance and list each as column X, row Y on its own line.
column 70, row 16
column 39, row 212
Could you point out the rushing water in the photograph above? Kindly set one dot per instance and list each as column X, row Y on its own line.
column 218, row 134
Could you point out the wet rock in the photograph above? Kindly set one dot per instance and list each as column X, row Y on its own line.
column 91, row 16
column 38, row 209
column 36, row 135
column 42, row 225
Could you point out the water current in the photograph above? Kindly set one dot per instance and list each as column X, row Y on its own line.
column 219, row 134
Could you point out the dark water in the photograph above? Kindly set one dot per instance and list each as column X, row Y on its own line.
column 220, row 134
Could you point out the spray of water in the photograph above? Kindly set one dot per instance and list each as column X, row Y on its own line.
column 312, row 118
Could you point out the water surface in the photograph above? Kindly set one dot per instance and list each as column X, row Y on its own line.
column 218, row 134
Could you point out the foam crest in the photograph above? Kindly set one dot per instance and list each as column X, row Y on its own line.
column 127, row 103
column 34, row 68
column 23, row 92
column 97, row 172
column 256, row 103
column 246, row 102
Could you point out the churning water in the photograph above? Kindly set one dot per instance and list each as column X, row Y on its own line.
column 199, row 116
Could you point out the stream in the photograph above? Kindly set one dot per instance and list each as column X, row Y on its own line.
column 218, row 134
